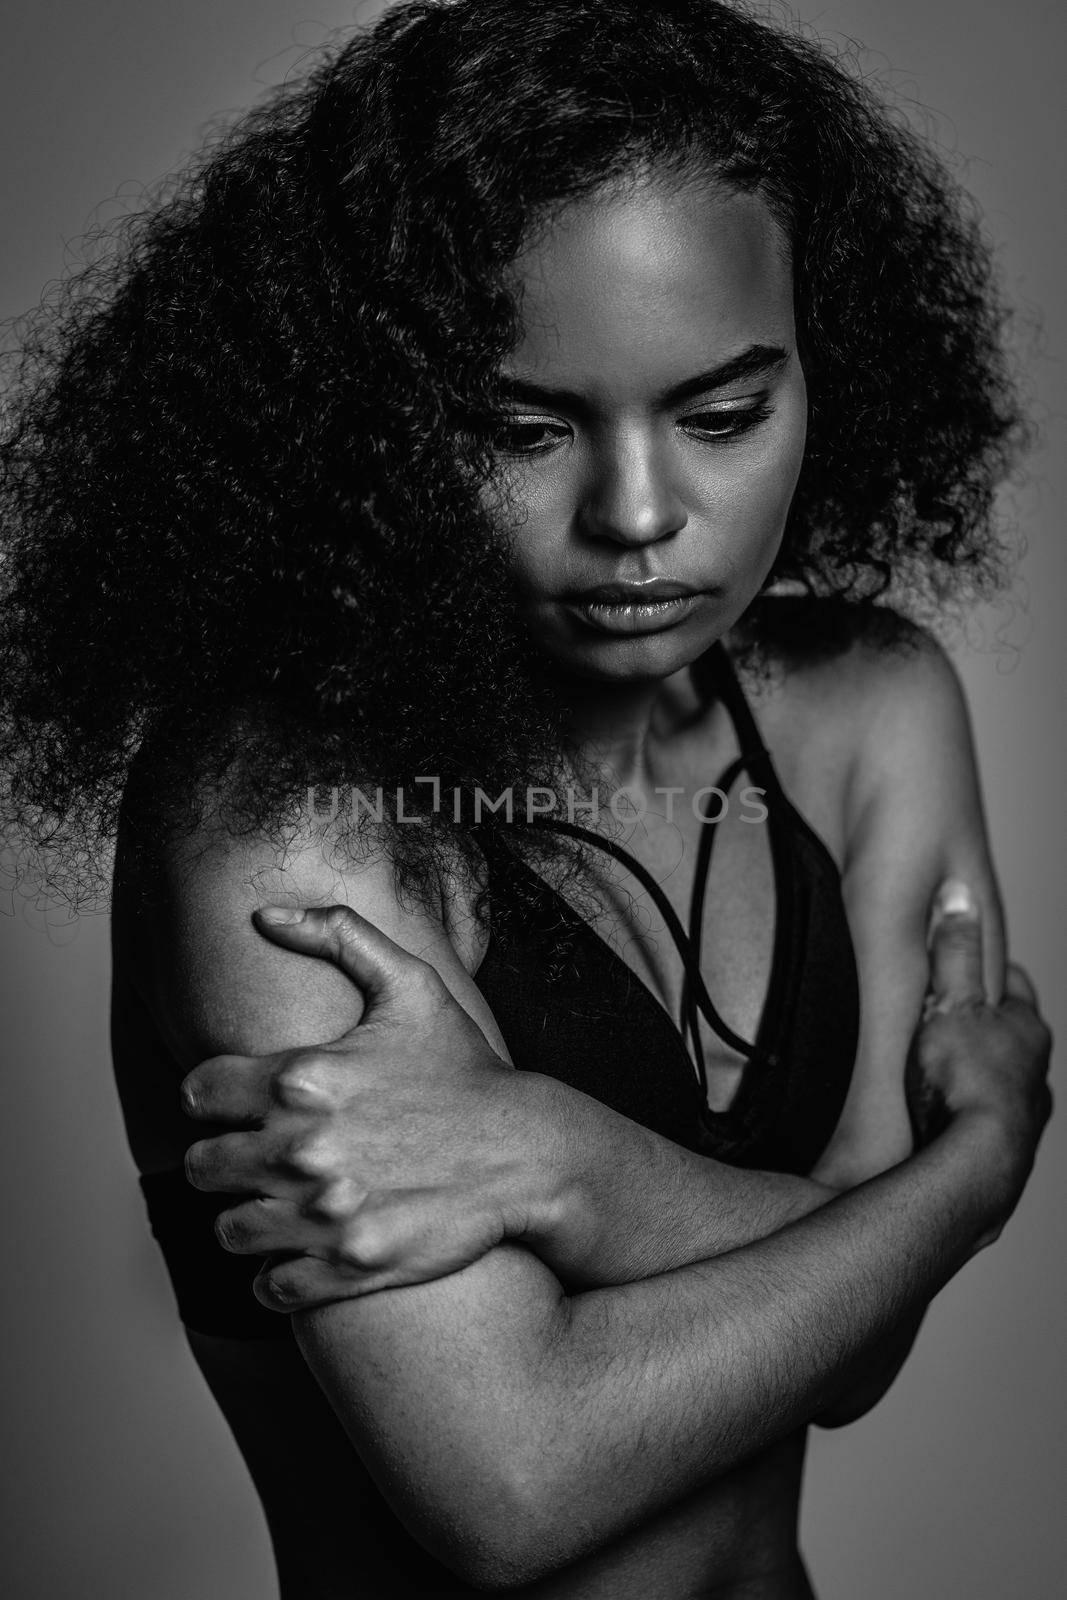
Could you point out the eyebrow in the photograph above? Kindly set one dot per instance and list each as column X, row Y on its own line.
column 757, row 360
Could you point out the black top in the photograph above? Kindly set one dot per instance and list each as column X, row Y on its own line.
column 597, row 1027
column 601, row 1030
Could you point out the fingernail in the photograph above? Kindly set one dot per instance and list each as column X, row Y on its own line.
column 954, row 898
column 280, row 914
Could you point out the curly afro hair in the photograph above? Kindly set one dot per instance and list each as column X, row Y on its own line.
column 244, row 528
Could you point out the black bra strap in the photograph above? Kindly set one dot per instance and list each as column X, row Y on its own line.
column 755, row 758
column 670, row 917
column 696, row 914
column 716, row 663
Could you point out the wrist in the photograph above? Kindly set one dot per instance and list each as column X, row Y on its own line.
column 549, row 1188
column 996, row 1168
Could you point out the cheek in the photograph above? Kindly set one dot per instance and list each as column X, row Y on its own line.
column 753, row 496
column 535, row 560
column 536, row 537
column 779, row 480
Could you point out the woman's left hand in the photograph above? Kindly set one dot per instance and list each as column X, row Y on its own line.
column 399, row 1152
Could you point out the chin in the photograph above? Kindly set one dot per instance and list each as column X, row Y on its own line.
column 632, row 658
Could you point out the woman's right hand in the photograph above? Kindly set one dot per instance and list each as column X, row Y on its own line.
column 970, row 1059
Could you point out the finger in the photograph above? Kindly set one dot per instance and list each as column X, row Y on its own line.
column 232, row 1163
column 1017, row 984
column 264, row 1227
column 995, row 951
column 229, row 1089
column 301, row 1282
column 956, row 974
column 379, row 965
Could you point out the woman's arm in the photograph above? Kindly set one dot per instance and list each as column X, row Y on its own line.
column 914, row 817
column 556, row 1425
column 608, row 1201
column 462, row 1128
column 511, row 1428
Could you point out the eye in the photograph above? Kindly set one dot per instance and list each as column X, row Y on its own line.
column 532, row 438
column 712, row 425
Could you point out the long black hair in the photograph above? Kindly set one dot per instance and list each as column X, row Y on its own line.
column 242, row 526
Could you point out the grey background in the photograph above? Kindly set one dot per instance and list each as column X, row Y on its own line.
column 123, row 1480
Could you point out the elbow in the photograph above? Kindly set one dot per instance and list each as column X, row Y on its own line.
column 494, row 1559
column 851, row 1407
column 497, row 1571
column 845, row 1413
column 510, row 1534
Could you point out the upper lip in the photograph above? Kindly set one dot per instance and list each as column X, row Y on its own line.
column 642, row 593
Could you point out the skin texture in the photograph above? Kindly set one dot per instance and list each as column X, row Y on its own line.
column 915, row 1222
column 779, row 1330
column 624, row 298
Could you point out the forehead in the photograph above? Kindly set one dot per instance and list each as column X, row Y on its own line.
column 630, row 286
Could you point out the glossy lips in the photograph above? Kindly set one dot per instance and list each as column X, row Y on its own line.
column 628, row 608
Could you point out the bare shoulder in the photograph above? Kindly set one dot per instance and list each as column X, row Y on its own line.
column 212, row 982
column 888, row 716
column 854, row 704
column 892, row 709
column 192, row 975
column 843, row 663
column 876, row 731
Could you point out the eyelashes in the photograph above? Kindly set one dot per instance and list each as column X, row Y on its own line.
column 725, row 425
column 521, row 438
column 713, row 427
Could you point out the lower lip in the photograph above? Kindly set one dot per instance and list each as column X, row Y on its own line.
column 635, row 616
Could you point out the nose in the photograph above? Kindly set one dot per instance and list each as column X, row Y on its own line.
column 630, row 497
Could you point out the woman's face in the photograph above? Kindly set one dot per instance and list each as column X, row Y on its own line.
column 657, row 423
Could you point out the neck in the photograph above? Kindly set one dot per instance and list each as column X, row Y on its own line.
column 617, row 727
column 623, row 729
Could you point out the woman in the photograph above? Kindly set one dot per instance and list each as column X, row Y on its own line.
column 596, row 279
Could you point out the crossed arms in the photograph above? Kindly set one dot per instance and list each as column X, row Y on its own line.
column 730, row 1308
